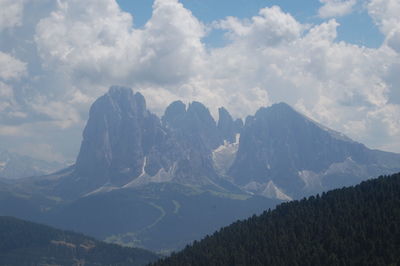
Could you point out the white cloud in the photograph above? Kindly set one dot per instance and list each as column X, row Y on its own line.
column 11, row 12
column 91, row 45
column 338, row 84
column 336, row 8
column 6, row 97
column 42, row 151
column 112, row 51
column 171, row 47
column 11, row 70
column 14, row 131
column 270, row 27
column 62, row 114
column 386, row 15
column 10, row 67
column 87, row 39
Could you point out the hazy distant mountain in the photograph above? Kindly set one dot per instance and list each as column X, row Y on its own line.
column 349, row 226
column 161, row 183
column 14, row 166
column 227, row 127
column 26, row 243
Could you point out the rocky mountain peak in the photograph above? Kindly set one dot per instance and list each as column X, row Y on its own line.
column 276, row 111
column 125, row 145
column 114, row 139
column 201, row 111
column 227, row 127
column 122, row 100
column 116, row 91
column 278, row 143
column 174, row 113
column 193, row 124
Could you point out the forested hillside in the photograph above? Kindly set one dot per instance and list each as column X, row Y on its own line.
column 26, row 243
column 350, row 226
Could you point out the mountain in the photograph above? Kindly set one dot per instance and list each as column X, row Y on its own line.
column 26, row 243
column 228, row 127
column 194, row 123
column 285, row 153
column 125, row 145
column 350, row 226
column 121, row 141
column 137, row 176
column 14, row 166
column 278, row 153
column 160, row 183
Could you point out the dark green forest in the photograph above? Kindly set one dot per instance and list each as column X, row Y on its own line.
column 350, row 226
column 26, row 243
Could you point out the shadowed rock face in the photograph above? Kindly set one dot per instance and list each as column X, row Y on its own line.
column 123, row 141
column 195, row 130
column 120, row 132
column 278, row 144
column 227, row 127
column 280, row 152
column 194, row 124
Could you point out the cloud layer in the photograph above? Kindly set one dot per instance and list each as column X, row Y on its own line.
column 11, row 13
column 336, row 8
column 76, row 50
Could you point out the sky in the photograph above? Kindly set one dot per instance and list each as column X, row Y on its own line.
column 336, row 61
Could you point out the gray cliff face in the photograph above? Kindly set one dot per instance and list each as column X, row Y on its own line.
column 280, row 145
column 193, row 124
column 280, row 154
column 119, row 134
column 227, row 127
column 124, row 145
column 195, row 131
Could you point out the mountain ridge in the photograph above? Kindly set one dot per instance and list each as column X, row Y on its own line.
column 186, row 145
column 15, row 166
column 153, row 173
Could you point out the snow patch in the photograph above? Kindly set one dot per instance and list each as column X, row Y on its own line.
column 347, row 166
column 311, row 180
column 268, row 190
column 273, row 192
column 162, row 176
column 103, row 189
column 224, row 156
